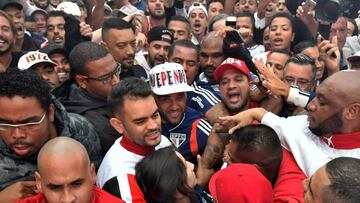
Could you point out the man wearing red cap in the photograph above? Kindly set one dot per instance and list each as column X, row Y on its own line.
column 234, row 77
column 240, row 183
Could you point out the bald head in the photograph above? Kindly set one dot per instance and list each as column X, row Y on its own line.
column 64, row 172
column 345, row 85
column 212, row 38
column 61, row 146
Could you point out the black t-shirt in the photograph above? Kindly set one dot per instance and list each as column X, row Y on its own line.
column 135, row 71
column 15, row 59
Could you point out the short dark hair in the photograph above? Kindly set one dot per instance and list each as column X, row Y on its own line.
column 344, row 175
column 303, row 59
column 181, row 19
column 284, row 15
column 130, row 87
column 155, row 180
column 184, row 43
column 7, row 17
column 281, row 51
column 115, row 23
column 25, row 84
column 213, row 1
column 301, row 46
column 249, row 15
column 83, row 53
column 53, row 14
column 356, row 30
column 253, row 137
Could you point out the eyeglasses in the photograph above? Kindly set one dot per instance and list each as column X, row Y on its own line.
column 24, row 126
column 106, row 79
column 302, row 84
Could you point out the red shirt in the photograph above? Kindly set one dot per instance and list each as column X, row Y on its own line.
column 98, row 196
column 288, row 186
column 344, row 141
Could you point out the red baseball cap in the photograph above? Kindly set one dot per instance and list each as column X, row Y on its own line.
column 231, row 63
column 240, row 183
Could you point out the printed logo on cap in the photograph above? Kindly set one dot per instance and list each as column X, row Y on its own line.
column 232, row 61
column 168, row 78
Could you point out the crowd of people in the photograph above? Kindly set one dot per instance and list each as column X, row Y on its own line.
column 106, row 101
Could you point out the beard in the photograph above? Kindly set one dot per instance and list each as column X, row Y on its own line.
column 42, row 6
column 331, row 125
column 7, row 50
column 236, row 109
column 157, row 17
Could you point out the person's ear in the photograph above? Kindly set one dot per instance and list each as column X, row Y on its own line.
column 38, row 181
column 117, row 125
column 102, row 43
column 93, row 173
column 352, row 112
column 81, row 81
column 51, row 113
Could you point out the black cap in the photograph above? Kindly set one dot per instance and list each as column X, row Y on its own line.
column 14, row 3
column 53, row 49
column 158, row 32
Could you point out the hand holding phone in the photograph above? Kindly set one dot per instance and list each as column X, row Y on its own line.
column 321, row 39
column 309, row 5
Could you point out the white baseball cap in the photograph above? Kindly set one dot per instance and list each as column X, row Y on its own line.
column 354, row 58
column 32, row 58
column 168, row 78
column 197, row 5
column 69, row 8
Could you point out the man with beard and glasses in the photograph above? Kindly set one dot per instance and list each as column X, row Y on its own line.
column 184, row 126
column 8, row 59
column 135, row 116
column 330, row 130
column 30, row 117
column 118, row 37
column 95, row 73
column 159, row 39
column 23, row 41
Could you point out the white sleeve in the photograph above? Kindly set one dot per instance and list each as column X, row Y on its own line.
column 307, row 154
column 297, row 97
column 259, row 23
column 308, row 150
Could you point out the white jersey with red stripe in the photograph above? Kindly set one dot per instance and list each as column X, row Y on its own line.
column 118, row 168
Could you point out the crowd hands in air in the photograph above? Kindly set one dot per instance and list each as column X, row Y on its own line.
column 179, row 101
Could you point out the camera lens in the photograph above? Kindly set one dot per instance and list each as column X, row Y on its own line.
column 331, row 9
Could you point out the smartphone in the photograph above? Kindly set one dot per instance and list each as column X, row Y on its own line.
column 310, row 5
column 128, row 10
column 231, row 21
column 333, row 55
